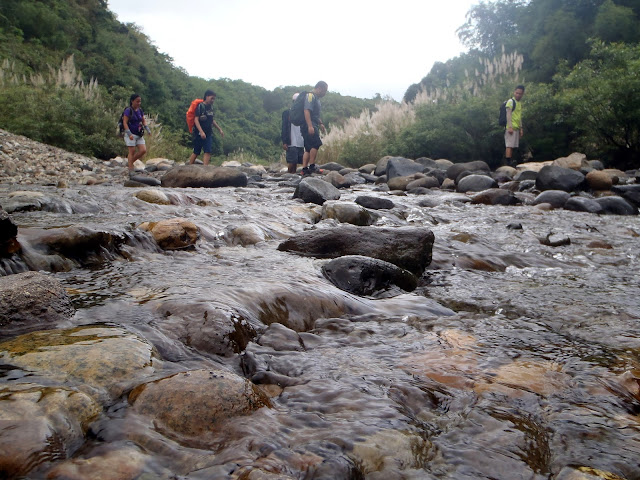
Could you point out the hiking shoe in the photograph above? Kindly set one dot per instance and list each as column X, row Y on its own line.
column 305, row 172
column 314, row 169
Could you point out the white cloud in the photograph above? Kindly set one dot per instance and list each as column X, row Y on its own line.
column 359, row 48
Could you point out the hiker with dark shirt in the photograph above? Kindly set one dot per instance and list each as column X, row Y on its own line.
column 309, row 128
column 292, row 140
column 134, row 127
column 203, row 129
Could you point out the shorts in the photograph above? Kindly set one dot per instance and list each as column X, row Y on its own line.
column 137, row 140
column 294, row 154
column 200, row 144
column 512, row 141
column 311, row 141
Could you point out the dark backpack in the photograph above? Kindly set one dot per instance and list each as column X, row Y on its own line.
column 502, row 119
column 121, row 124
column 296, row 112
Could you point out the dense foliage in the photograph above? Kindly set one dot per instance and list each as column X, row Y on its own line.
column 39, row 35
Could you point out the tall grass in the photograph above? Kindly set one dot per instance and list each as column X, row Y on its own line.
column 368, row 137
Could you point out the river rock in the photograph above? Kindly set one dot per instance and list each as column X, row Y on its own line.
column 598, row 180
column 205, row 326
column 423, row 182
column 367, row 276
column 407, row 247
column 32, row 301
column 552, row 177
column 191, row 406
column 631, row 193
column 555, row 240
column 617, row 206
column 145, row 180
column 357, row 178
column 583, row 204
column 347, row 213
column 381, row 166
column 153, row 195
column 400, row 183
column 555, row 198
column 337, row 180
column 575, row 161
column 102, row 361
column 477, row 166
column 244, row 235
column 369, row 168
column 375, row 203
column 206, row 176
column 8, row 229
column 40, row 424
column 495, row 196
column 402, row 167
column 173, row 234
column 331, row 166
column 476, row 183
column 525, row 175
column 316, row 190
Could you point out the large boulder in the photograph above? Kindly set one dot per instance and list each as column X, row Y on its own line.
column 476, row 183
column 477, row 166
column 8, row 233
column 375, row 203
column 583, row 204
column 336, row 179
column 599, row 180
column 617, row 206
column 402, row 167
column 32, row 301
column 204, row 176
column 552, row 177
column 348, row 213
column 495, row 196
column 423, row 182
column 367, row 276
column 575, row 161
column 407, row 247
column 555, row 198
column 631, row 193
column 316, row 190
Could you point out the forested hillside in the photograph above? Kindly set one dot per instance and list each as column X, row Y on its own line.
column 38, row 36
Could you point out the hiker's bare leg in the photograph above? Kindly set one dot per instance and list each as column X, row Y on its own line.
column 192, row 158
column 206, row 158
column 312, row 156
column 305, row 159
column 142, row 150
column 130, row 157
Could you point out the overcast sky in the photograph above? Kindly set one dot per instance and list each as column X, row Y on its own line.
column 359, row 48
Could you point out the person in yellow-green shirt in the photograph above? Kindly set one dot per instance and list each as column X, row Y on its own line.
column 514, row 131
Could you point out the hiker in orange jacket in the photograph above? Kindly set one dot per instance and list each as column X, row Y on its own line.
column 203, row 128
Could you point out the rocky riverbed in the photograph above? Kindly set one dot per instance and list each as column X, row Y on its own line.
column 412, row 319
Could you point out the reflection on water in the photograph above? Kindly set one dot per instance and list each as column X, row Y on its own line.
column 512, row 360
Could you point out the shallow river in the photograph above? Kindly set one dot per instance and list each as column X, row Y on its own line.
column 512, row 360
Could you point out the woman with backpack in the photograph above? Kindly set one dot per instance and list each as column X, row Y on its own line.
column 134, row 127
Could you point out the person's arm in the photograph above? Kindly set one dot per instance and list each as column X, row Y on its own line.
column 215, row 124
column 144, row 124
column 509, row 113
column 285, row 134
column 324, row 130
column 125, row 123
column 307, row 119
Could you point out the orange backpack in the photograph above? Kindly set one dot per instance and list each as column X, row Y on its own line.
column 191, row 113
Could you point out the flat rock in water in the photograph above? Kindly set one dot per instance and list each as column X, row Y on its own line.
column 207, row 176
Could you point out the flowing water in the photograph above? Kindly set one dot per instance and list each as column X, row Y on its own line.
column 512, row 360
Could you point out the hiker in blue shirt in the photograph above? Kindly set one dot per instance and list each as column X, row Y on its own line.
column 203, row 129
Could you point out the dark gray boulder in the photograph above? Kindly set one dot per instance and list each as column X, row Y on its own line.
column 332, row 166
column 375, row 203
column 495, row 196
column 407, row 247
column 583, row 204
column 201, row 176
column 32, row 301
column 8, row 229
column 424, row 182
column 336, row 179
column 631, row 193
column 316, row 190
column 402, row 167
column 617, row 206
column 525, row 175
column 555, row 198
column 146, row 180
column 477, row 166
column 551, row 177
column 476, row 183
column 367, row 276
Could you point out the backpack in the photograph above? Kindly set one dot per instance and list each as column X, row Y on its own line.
column 120, row 129
column 191, row 113
column 296, row 112
column 502, row 118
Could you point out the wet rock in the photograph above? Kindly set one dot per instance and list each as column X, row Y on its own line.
column 555, row 198
column 631, row 193
column 31, row 301
column 402, row 167
column 598, row 180
column 381, row 166
column 102, row 361
column 447, row 198
column 367, row 276
column 400, row 183
column 583, row 204
column 281, row 339
column 552, row 177
column 617, row 206
column 495, row 196
column 555, row 240
column 41, row 424
column 357, row 178
column 525, row 175
column 8, row 229
column 247, row 235
column 347, row 213
column 369, row 168
column 191, row 406
column 315, row 190
column 337, row 180
column 586, row 473
column 424, row 182
column 205, row 326
column 153, row 195
column 476, row 183
column 407, row 247
column 332, row 166
column 173, row 234
column 427, row 162
column 145, row 180
column 514, row 226
column 201, row 176
column 375, row 203
column 477, row 167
